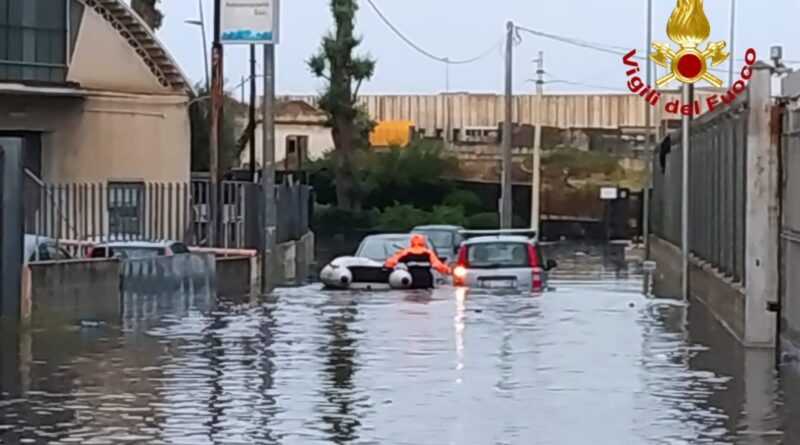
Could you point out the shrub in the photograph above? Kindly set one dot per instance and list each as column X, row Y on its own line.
column 327, row 218
column 402, row 218
column 469, row 201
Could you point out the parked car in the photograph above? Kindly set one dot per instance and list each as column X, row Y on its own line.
column 445, row 238
column 502, row 260
column 40, row 248
column 365, row 269
column 135, row 250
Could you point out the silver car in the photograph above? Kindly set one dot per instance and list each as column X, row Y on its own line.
column 502, row 261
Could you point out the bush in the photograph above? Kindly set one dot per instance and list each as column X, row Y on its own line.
column 412, row 174
column 491, row 221
column 402, row 218
column 448, row 215
column 467, row 200
column 484, row 221
column 327, row 218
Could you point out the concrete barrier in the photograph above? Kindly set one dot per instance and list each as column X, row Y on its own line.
column 71, row 292
column 174, row 284
column 237, row 276
column 724, row 299
column 295, row 259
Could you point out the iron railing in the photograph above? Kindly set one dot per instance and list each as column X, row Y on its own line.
column 161, row 211
column 717, row 181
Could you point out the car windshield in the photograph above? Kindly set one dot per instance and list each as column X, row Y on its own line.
column 498, row 255
column 137, row 253
column 442, row 239
column 379, row 249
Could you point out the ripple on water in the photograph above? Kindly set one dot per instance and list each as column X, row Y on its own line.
column 593, row 361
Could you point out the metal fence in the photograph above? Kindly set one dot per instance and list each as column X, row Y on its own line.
column 790, row 234
column 160, row 211
column 717, row 182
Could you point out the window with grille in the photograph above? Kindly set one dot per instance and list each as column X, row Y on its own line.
column 36, row 37
column 125, row 208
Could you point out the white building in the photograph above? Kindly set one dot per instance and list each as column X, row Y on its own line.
column 301, row 134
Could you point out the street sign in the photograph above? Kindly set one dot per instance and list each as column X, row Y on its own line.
column 249, row 22
column 608, row 193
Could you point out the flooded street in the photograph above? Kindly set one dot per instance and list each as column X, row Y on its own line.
column 591, row 362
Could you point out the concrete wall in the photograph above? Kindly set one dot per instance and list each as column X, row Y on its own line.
column 236, row 276
column 724, row 299
column 70, row 292
column 122, row 122
column 295, row 259
column 106, row 136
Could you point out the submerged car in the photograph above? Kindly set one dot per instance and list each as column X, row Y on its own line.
column 39, row 248
column 365, row 269
column 445, row 238
column 502, row 259
column 136, row 250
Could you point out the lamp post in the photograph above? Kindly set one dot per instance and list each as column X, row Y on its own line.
column 202, row 24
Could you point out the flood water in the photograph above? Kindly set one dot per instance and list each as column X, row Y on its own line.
column 592, row 362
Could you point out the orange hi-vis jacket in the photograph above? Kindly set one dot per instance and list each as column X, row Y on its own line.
column 419, row 253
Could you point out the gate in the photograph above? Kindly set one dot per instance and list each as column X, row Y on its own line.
column 789, row 317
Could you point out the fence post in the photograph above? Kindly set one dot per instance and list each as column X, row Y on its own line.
column 762, row 211
column 11, row 228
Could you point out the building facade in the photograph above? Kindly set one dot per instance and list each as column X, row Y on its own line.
column 92, row 93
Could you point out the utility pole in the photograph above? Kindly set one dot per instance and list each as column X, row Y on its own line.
column 253, row 113
column 216, row 117
column 268, row 171
column 447, row 74
column 733, row 34
column 685, row 146
column 649, row 147
column 506, row 211
column 536, row 169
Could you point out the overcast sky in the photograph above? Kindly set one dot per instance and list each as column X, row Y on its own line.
column 461, row 29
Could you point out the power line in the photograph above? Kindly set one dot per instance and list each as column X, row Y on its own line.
column 425, row 53
column 596, row 46
column 589, row 85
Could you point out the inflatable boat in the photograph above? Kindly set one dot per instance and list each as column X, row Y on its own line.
column 365, row 269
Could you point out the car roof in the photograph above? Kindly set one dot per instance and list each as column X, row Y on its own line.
column 389, row 236
column 438, row 227
column 499, row 238
column 137, row 244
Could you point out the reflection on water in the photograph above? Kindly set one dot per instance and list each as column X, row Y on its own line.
column 593, row 361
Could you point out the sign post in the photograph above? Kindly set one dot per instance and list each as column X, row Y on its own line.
column 250, row 22
column 608, row 194
column 255, row 22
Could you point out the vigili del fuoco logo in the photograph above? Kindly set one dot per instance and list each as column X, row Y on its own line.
column 688, row 27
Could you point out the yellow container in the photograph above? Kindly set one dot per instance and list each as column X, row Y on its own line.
column 392, row 133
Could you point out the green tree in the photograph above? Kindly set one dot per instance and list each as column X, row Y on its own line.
column 149, row 12
column 344, row 72
column 200, row 116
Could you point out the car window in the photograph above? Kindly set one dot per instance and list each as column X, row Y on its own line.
column 99, row 252
column 56, row 253
column 137, row 253
column 44, row 253
column 179, row 248
column 439, row 238
column 379, row 249
column 498, row 255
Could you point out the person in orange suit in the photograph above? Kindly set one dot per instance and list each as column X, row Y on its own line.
column 417, row 253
